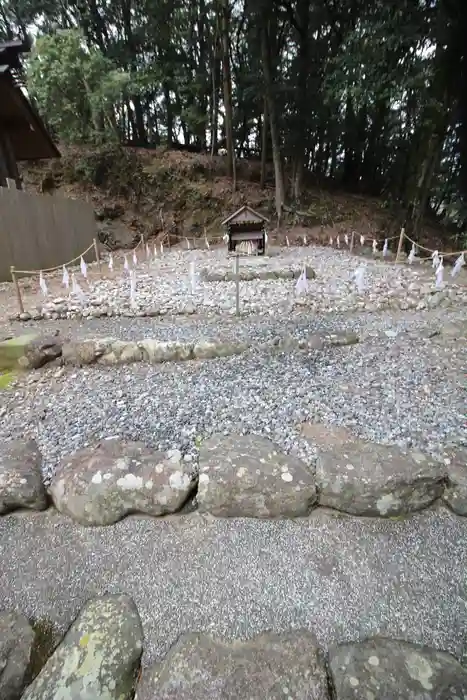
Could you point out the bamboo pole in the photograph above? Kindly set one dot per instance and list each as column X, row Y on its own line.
column 17, row 289
column 399, row 246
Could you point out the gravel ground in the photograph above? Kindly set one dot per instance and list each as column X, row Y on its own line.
column 165, row 285
column 396, row 385
column 343, row 578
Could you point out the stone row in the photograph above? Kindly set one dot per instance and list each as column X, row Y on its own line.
column 249, row 275
column 239, row 476
column 100, row 658
column 33, row 351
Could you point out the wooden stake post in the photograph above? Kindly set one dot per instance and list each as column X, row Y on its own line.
column 399, row 247
column 97, row 253
column 237, row 284
column 17, row 289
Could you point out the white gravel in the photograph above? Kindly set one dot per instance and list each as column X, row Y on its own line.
column 342, row 578
column 396, row 385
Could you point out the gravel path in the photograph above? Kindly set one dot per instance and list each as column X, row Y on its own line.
column 396, row 385
column 342, row 577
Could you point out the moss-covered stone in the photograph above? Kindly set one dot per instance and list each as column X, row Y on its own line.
column 99, row 656
column 13, row 349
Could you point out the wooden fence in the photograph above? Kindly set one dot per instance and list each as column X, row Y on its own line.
column 41, row 231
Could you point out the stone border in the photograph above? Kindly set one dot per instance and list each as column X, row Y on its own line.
column 238, row 477
column 251, row 275
column 106, row 638
column 32, row 351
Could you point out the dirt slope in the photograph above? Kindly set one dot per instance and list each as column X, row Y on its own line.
column 137, row 191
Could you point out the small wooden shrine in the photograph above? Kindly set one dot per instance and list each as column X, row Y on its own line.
column 246, row 226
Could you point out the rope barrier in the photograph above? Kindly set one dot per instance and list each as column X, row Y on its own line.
column 58, row 267
column 446, row 255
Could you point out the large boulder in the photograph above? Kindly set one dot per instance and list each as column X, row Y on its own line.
column 378, row 669
column 101, row 484
column 99, row 656
column 248, row 476
column 21, row 484
column 29, row 351
column 455, row 493
column 16, row 641
column 272, row 666
column 365, row 478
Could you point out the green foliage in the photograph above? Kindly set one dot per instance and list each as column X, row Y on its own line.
column 370, row 94
column 75, row 87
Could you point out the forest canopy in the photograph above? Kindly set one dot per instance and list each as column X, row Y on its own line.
column 367, row 94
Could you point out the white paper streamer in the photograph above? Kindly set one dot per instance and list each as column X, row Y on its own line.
column 346, row 239
column 162, row 249
column 155, row 252
column 148, row 251
column 439, row 273
column 65, row 278
column 111, row 262
column 338, row 241
column 75, row 288
column 362, row 240
column 375, row 245
column 225, row 238
column 266, row 238
column 287, row 241
column 188, row 245
column 135, row 258
column 193, row 277
column 460, row 262
column 133, row 287
column 304, row 240
column 125, row 263
column 43, row 284
column 301, row 286
column 435, row 258
column 359, row 276
column 411, row 257
column 385, row 248
column 84, row 269
column 207, row 242
column 331, row 242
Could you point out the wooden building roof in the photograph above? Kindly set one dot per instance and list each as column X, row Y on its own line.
column 243, row 215
column 26, row 131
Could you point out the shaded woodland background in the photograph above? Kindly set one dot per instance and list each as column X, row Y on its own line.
column 364, row 96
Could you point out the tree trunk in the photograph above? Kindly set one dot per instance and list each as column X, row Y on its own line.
column 227, row 82
column 215, row 96
column 301, row 107
column 169, row 114
column 273, row 121
column 264, row 143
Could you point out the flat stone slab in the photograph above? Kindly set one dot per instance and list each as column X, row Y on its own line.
column 101, row 484
column 378, row 669
column 16, row 641
column 326, row 436
column 272, row 666
column 99, row 656
column 365, row 478
column 455, row 493
column 248, row 476
column 21, row 483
